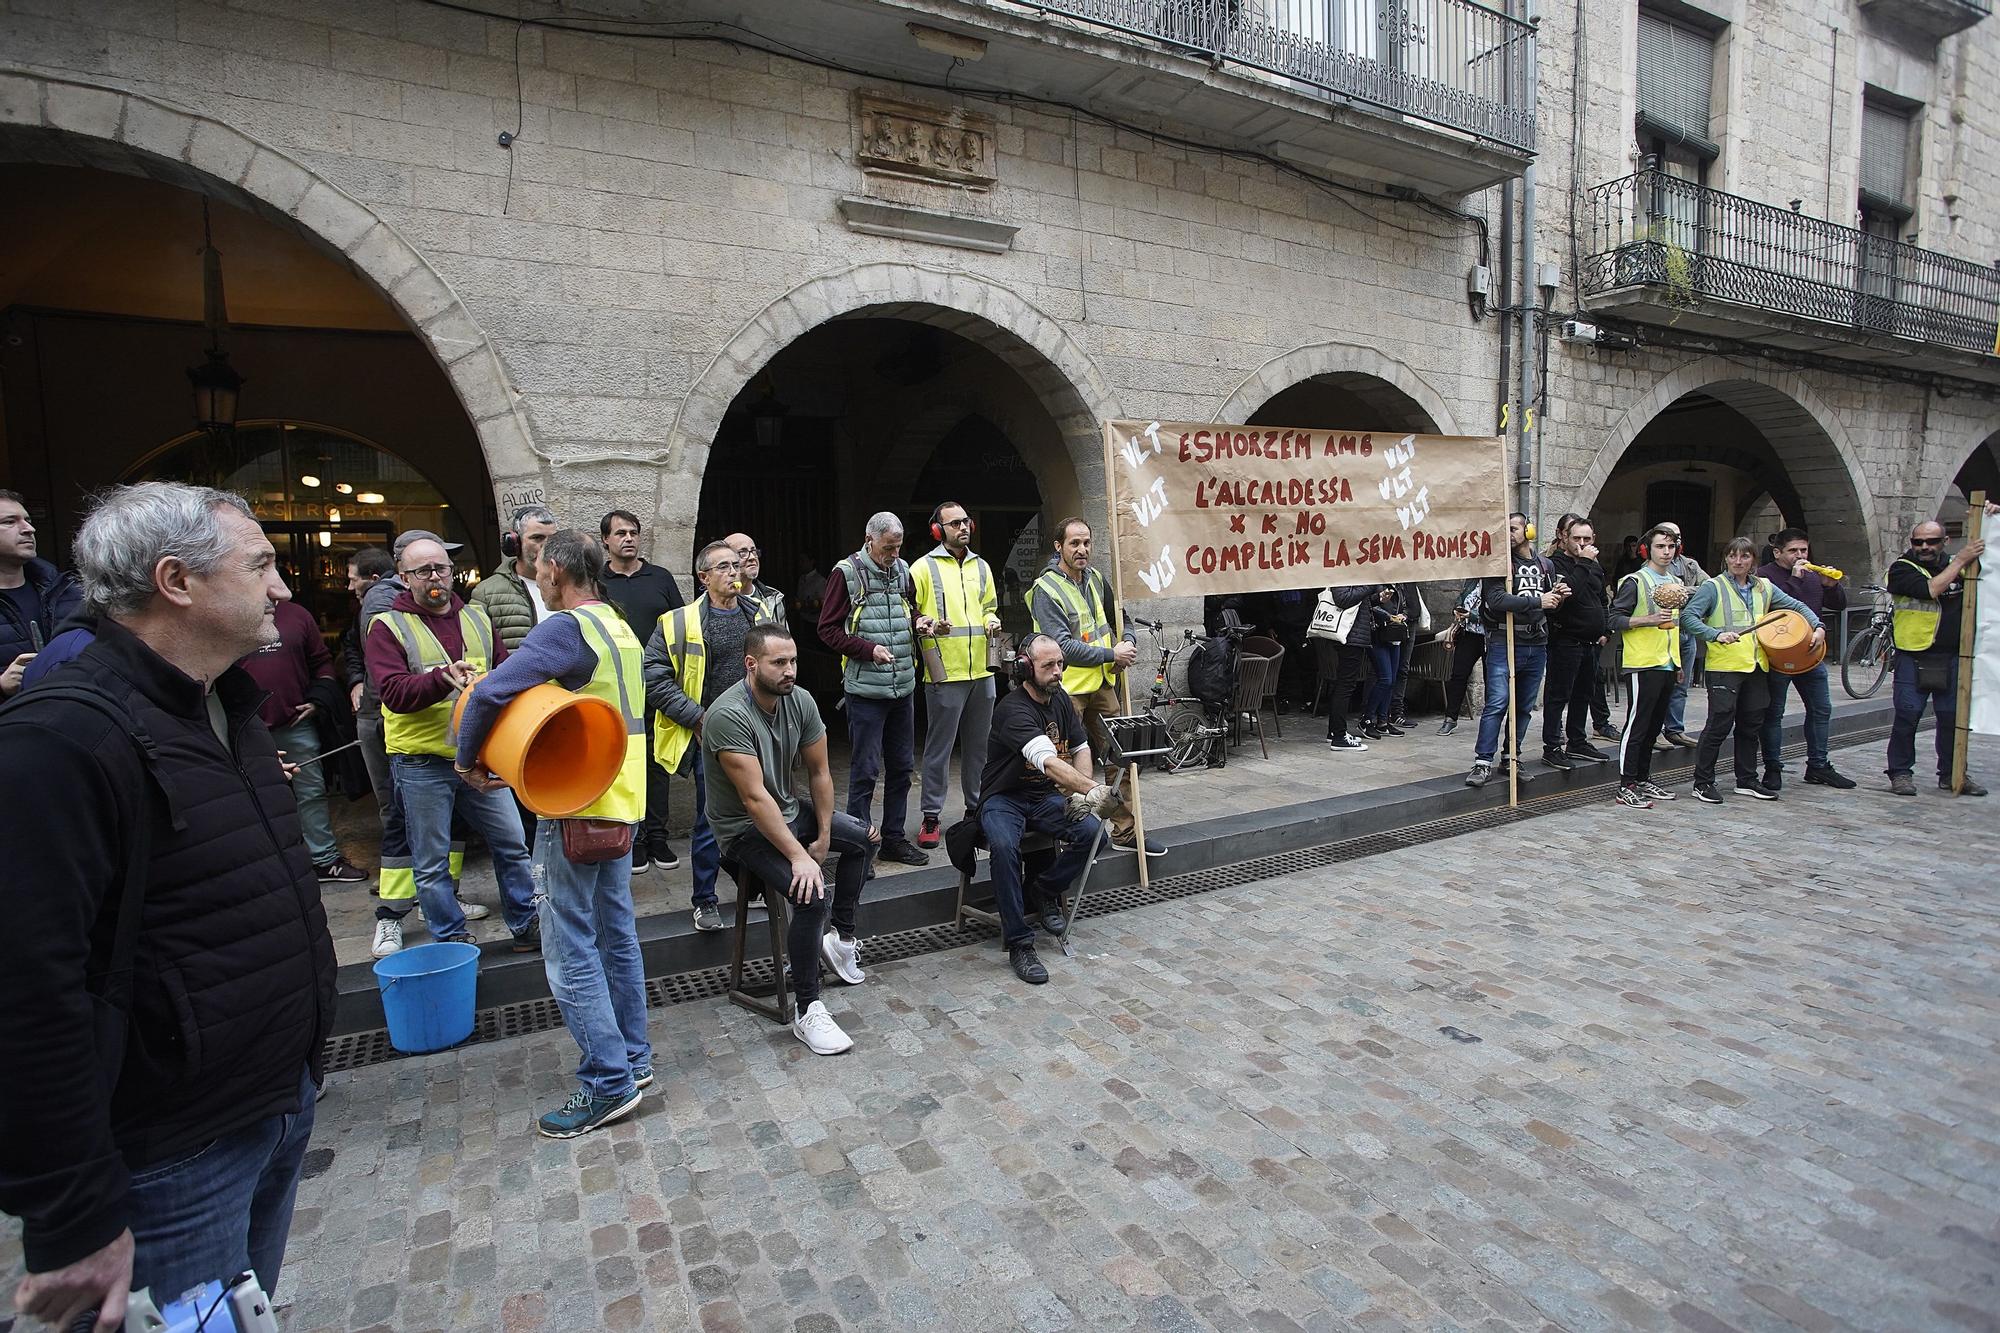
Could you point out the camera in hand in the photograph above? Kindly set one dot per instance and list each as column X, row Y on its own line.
column 236, row 1306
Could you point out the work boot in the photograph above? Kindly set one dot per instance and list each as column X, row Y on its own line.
column 1970, row 788
column 1026, row 965
column 930, row 834
column 1902, row 784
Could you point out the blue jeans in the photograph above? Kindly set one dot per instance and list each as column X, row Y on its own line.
column 706, row 856
column 1388, row 659
column 1910, row 710
column 1677, row 702
column 300, row 742
column 883, row 733
column 590, row 950
column 212, row 1213
column 1812, row 687
column 1530, row 661
column 1003, row 818
column 430, row 791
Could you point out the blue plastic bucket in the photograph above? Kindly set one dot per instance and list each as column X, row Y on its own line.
column 427, row 995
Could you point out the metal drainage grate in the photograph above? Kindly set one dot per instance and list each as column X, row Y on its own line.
column 528, row 1016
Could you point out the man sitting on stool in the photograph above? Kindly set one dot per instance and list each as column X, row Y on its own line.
column 752, row 736
column 1038, row 751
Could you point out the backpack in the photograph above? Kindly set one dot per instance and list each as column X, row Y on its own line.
column 1212, row 671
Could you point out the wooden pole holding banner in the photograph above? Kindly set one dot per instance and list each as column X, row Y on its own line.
column 1513, row 712
column 1975, row 525
column 1124, row 686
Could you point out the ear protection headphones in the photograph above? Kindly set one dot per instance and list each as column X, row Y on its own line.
column 937, row 528
column 510, row 540
column 1529, row 532
column 1020, row 670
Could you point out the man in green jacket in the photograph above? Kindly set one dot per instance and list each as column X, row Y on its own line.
column 508, row 595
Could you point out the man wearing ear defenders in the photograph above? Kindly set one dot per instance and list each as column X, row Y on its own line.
column 957, row 590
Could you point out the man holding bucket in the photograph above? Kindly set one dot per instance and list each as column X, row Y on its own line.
column 427, row 647
column 582, row 863
column 1725, row 613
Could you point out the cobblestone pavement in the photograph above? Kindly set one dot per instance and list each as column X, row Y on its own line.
column 1687, row 1068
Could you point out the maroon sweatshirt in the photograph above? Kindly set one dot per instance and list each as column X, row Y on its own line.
column 286, row 669
column 401, row 689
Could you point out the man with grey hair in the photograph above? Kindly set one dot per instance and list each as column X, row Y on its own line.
column 166, row 972
column 870, row 618
column 508, row 595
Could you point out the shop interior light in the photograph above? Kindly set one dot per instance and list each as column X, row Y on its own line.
column 343, row 488
column 308, row 479
column 325, row 537
column 333, row 515
column 370, row 497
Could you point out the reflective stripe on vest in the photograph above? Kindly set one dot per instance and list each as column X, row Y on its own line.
column 1915, row 621
column 1648, row 646
column 1086, row 613
column 964, row 647
column 428, row 731
column 618, row 680
column 1728, row 613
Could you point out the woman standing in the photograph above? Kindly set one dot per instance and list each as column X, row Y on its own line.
column 1391, row 637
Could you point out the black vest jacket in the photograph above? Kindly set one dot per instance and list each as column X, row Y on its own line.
column 233, row 977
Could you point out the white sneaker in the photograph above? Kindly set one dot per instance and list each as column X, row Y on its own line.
column 388, row 937
column 816, row 1028
column 474, row 911
column 843, row 956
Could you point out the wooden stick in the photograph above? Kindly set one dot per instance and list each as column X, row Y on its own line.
column 1124, row 686
column 1968, row 610
column 1513, row 718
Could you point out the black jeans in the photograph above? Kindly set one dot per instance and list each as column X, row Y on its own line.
column 1467, row 649
column 1570, row 684
column 1600, row 705
column 753, row 852
column 1347, row 676
column 1647, row 694
column 1736, row 698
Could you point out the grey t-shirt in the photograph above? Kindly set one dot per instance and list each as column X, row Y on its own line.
column 734, row 724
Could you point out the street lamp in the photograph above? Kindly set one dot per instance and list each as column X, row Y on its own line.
column 216, row 383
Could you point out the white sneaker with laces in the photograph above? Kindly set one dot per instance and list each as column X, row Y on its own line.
column 843, row 956
column 822, row 1036
column 474, row 911
column 388, row 938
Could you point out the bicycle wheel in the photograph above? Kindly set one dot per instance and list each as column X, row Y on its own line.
column 1866, row 663
column 1188, row 745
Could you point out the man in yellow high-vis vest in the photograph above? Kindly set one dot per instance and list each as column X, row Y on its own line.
column 1927, row 590
column 1723, row 613
column 590, row 939
column 420, row 653
column 957, row 590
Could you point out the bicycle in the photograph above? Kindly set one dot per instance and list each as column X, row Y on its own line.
column 1870, row 656
column 1191, row 735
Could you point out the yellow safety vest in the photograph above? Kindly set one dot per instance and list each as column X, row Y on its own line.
column 1648, row 646
column 620, row 681
column 1086, row 612
column 946, row 591
column 682, row 627
column 1915, row 620
column 429, row 731
column 1728, row 613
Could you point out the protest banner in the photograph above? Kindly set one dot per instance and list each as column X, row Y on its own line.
column 1200, row 508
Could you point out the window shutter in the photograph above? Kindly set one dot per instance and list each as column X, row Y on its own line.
column 1676, row 79
column 1885, row 154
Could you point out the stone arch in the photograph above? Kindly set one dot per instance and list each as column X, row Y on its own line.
column 75, row 122
column 1029, row 341
column 1331, row 359
column 1818, row 455
column 1986, row 435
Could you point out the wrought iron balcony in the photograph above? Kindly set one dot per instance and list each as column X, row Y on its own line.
column 1665, row 250
column 1454, row 63
column 1934, row 18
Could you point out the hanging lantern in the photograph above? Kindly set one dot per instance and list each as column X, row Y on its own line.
column 216, row 383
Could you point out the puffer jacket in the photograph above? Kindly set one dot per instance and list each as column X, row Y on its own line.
column 503, row 595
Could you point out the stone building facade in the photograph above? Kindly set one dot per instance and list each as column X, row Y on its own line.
column 1110, row 236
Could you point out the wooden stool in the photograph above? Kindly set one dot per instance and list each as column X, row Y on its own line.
column 779, row 1008
column 1031, row 842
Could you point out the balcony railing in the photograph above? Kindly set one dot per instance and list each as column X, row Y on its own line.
column 1699, row 245
column 1454, row 63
